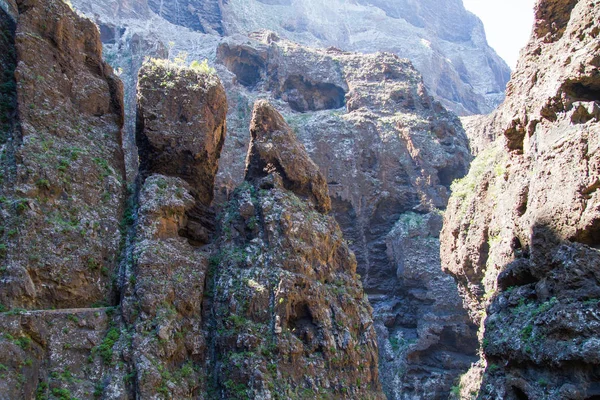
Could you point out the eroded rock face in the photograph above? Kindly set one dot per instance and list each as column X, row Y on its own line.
column 164, row 294
column 200, row 15
column 63, row 173
column 274, row 148
column 444, row 41
column 181, row 129
column 68, row 353
column 181, row 125
column 289, row 317
column 521, row 230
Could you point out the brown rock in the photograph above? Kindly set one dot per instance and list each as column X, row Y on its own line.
column 181, row 124
column 164, row 292
column 63, row 186
column 289, row 316
column 522, row 229
column 274, row 148
column 389, row 153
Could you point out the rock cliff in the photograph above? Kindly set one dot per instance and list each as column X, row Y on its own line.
column 521, row 230
column 180, row 131
column 389, row 153
column 62, row 162
column 385, row 148
column 289, row 316
column 445, row 42
column 62, row 202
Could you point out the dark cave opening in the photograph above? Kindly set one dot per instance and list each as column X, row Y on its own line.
column 585, row 89
column 246, row 64
column 519, row 394
column 301, row 323
column 303, row 95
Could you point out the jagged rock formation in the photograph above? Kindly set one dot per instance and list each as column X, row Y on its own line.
column 63, row 174
column 445, row 42
column 181, row 126
column 289, row 318
column 521, row 230
column 387, row 151
column 392, row 150
column 459, row 67
column 165, row 293
column 388, row 157
column 274, row 148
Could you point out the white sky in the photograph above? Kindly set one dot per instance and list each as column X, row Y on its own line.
column 507, row 24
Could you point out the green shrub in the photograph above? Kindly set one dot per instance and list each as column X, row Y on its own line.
column 202, row 67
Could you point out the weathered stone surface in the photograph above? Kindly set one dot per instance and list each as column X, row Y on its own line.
column 444, row 41
column 289, row 316
column 274, row 148
column 58, row 354
column 425, row 337
column 63, row 172
column 164, row 294
column 181, row 124
column 201, row 15
column 521, row 230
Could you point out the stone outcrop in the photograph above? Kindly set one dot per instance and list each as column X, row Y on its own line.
column 180, row 132
column 164, row 294
column 274, row 148
column 289, row 318
column 389, row 155
column 62, row 163
column 181, row 125
column 521, row 230
column 62, row 201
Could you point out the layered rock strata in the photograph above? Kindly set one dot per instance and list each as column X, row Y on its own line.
column 521, row 230
column 289, row 318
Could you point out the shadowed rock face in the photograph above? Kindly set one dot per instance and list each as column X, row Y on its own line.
column 274, row 148
column 521, row 230
column 200, row 15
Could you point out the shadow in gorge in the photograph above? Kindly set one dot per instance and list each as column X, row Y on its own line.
column 541, row 331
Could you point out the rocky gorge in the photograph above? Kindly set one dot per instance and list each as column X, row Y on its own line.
column 285, row 221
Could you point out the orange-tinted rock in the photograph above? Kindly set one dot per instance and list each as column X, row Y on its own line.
column 274, row 148
column 181, row 124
